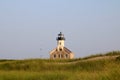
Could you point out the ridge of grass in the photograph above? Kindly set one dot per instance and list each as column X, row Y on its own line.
column 46, row 69
column 112, row 53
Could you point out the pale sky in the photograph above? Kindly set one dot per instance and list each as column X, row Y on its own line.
column 28, row 28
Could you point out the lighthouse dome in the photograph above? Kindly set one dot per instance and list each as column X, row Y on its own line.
column 60, row 36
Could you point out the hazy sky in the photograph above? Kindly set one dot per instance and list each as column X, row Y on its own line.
column 28, row 28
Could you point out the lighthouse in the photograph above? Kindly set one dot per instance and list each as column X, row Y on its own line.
column 61, row 52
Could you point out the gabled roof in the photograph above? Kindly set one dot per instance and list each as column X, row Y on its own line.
column 67, row 50
column 53, row 50
column 64, row 50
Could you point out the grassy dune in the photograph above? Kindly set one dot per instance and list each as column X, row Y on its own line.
column 76, row 69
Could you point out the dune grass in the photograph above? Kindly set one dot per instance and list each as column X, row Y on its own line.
column 45, row 69
column 113, row 53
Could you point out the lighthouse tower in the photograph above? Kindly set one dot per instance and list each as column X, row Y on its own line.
column 60, row 42
column 61, row 52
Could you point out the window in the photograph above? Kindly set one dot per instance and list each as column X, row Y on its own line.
column 60, row 49
column 54, row 55
column 59, row 55
column 66, row 55
column 60, row 43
